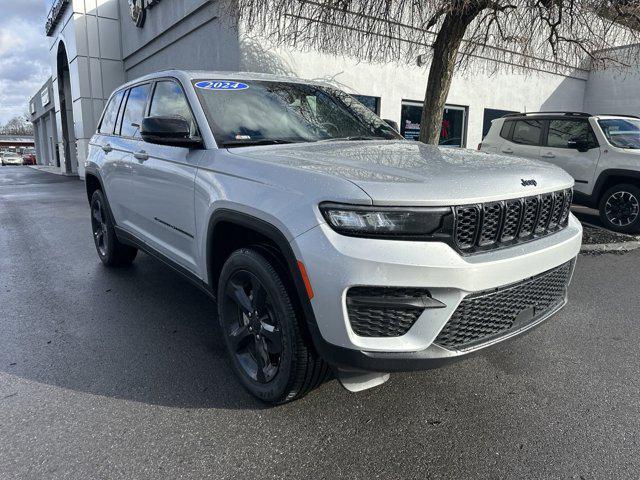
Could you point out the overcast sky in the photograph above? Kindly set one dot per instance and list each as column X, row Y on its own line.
column 24, row 54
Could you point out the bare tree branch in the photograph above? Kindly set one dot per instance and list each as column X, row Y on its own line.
column 549, row 35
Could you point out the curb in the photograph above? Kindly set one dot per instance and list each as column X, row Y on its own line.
column 51, row 169
column 633, row 242
column 611, row 247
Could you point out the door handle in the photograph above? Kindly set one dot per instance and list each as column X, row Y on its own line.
column 141, row 155
column 107, row 148
column 549, row 155
column 507, row 150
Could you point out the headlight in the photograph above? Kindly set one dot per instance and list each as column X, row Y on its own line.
column 386, row 222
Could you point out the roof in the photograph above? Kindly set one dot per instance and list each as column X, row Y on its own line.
column 16, row 139
column 189, row 75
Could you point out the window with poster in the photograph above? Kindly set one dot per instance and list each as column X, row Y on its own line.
column 454, row 123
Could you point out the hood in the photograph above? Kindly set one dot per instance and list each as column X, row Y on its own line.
column 411, row 173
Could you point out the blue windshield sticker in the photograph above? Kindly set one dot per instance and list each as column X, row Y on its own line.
column 221, row 85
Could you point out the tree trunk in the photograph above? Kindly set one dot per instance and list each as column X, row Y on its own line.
column 445, row 53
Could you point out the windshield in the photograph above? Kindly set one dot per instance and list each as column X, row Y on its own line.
column 622, row 132
column 265, row 112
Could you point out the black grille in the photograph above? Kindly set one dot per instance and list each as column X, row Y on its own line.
column 501, row 224
column 491, row 218
column 513, row 212
column 487, row 315
column 467, row 226
column 530, row 216
column 546, row 208
column 383, row 320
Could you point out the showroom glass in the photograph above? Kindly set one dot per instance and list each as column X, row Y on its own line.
column 281, row 112
column 111, row 114
column 527, row 132
column 134, row 111
column 622, row 133
column 169, row 100
column 372, row 103
column 453, row 128
column 561, row 132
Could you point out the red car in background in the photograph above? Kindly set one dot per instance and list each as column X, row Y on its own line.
column 29, row 159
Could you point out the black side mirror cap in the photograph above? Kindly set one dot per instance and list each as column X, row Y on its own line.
column 173, row 131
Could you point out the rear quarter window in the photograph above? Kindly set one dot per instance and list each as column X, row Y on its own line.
column 505, row 132
column 111, row 114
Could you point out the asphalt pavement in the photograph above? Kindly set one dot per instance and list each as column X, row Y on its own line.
column 121, row 374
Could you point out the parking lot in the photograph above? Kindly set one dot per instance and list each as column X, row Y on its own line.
column 121, row 374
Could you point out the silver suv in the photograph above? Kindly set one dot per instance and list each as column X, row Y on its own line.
column 329, row 242
column 601, row 152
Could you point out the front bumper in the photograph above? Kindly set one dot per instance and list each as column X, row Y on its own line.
column 335, row 263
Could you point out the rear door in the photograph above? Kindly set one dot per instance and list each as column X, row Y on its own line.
column 163, row 183
column 107, row 151
column 557, row 150
column 524, row 138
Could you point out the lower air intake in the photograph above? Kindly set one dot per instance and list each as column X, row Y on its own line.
column 489, row 315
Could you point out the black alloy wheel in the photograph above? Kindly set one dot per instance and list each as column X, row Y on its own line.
column 99, row 227
column 262, row 329
column 111, row 251
column 620, row 208
column 253, row 331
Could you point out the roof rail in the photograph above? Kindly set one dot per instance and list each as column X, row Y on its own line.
column 568, row 114
column 617, row 115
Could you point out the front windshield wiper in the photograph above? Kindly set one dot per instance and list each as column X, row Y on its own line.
column 248, row 143
column 354, row 137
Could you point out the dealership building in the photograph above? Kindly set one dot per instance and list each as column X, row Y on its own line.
column 96, row 45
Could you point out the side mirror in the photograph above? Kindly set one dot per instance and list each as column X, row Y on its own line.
column 579, row 145
column 172, row 131
column 392, row 124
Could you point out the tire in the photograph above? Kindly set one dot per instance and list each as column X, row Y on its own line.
column 111, row 252
column 262, row 333
column 620, row 208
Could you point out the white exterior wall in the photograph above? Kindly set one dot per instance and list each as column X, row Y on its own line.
column 393, row 83
column 614, row 90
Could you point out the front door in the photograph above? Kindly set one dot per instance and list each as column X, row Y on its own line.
column 163, row 184
column 128, row 141
column 558, row 150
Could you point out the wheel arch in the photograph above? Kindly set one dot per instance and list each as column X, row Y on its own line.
column 229, row 230
column 93, row 181
column 611, row 177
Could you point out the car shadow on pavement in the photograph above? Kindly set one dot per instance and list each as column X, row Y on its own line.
column 138, row 333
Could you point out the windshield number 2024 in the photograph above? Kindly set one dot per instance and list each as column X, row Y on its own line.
column 221, row 85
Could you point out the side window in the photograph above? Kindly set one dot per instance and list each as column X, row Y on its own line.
column 561, row 132
column 527, row 132
column 111, row 114
column 169, row 100
column 134, row 111
column 506, row 129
